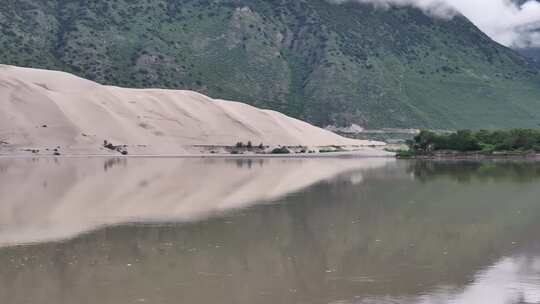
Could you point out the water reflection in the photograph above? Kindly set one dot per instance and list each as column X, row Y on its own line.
column 357, row 232
column 53, row 199
column 113, row 162
column 464, row 171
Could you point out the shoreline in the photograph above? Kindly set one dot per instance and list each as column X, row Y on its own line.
column 472, row 157
column 348, row 154
column 340, row 154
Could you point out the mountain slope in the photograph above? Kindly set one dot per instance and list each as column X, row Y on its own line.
column 532, row 53
column 324, row 63
column 42, row 109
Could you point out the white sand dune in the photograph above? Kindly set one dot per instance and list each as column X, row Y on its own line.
column 41, row 108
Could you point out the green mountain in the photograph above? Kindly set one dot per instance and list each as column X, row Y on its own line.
column 325, row 63
column 532, row 53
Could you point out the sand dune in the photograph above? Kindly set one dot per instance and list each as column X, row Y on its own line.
column 45, row 109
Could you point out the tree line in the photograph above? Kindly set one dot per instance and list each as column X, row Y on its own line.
column 488, row 141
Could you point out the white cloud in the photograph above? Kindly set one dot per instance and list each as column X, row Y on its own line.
column 505, row 21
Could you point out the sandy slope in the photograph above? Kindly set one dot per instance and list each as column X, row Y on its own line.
column 80, row 114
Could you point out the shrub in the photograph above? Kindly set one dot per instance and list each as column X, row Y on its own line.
column 281, row 150
column 404, row 153
column 483, row 140
column 487, row 148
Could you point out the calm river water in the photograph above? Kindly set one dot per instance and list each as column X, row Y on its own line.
column 114, row 231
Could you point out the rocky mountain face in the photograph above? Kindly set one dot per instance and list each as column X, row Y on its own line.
column 325, row 63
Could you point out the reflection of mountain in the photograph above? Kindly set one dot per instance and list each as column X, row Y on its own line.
column 378, row 237
column 60, row 199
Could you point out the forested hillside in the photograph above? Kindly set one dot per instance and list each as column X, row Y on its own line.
column 325, row 63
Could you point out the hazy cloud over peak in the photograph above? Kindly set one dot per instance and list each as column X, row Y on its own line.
column 512, row 23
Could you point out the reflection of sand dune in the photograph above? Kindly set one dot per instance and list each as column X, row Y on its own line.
column 47, row 199
column 367, row 236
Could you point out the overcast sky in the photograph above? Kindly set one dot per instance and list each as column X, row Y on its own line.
column 503, row 20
